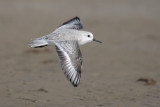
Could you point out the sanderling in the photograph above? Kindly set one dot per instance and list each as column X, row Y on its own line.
column 67, row 39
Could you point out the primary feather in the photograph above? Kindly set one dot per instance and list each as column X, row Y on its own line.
column 71, row 60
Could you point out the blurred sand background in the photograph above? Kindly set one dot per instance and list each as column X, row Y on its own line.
column 129, row 29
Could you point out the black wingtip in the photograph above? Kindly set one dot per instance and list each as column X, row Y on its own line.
column 75, row 18
column 73, row 23
column 75, row 85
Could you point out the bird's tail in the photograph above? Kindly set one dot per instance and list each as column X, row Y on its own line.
column 38, row 42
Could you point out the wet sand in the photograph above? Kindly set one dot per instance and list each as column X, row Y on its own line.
column 124, row 71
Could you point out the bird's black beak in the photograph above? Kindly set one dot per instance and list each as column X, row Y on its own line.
column 96, row 40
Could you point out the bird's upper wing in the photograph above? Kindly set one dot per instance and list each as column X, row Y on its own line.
column 71, row 60
column 73, row 23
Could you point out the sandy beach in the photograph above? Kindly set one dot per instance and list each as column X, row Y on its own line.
column 123, row 71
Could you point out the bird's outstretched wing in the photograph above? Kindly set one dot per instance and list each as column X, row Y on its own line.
column 71, row 60
column 73, row 23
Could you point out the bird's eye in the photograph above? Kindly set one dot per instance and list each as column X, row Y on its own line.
column 89, row 36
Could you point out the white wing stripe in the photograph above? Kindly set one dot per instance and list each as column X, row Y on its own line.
column 71, row 60
column 68, row 59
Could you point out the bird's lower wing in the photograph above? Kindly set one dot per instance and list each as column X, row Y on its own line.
column 71, row 60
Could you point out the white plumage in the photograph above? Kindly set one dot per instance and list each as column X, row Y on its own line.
column 67, row 39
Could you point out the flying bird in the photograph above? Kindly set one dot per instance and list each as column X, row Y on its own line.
column 67, row 38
